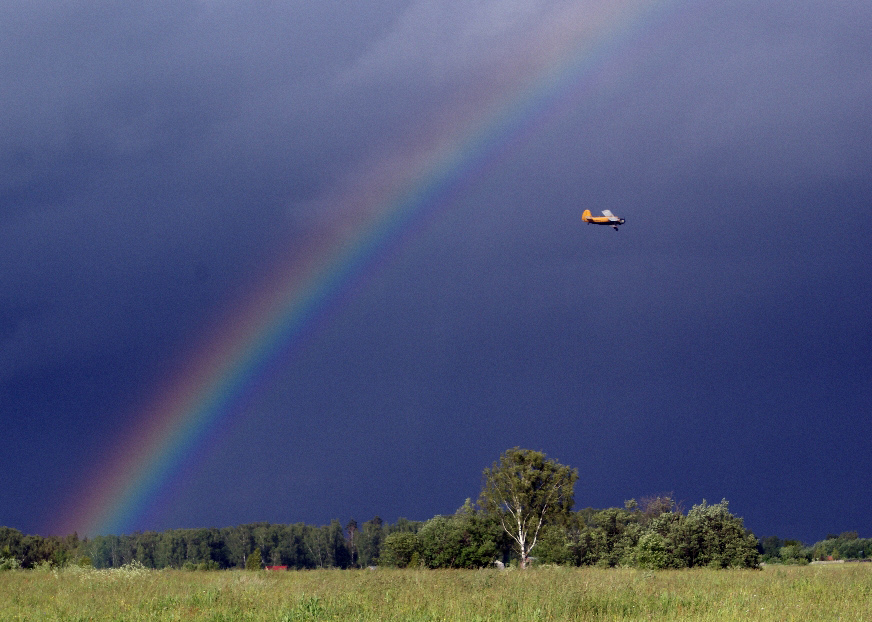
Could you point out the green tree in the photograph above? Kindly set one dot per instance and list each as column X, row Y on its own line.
column 352, row 530
column 317, row 543
column 711, row 536
column 254, row 560
column 614, row 533
column 399, row 549
column 651, row 551
column 145, row 547
column 525, row 491
column 170, row 550
column 848, row 545
column 651, row 508
column 238, row 542
column 440, row 543
column 794, row 553
column 466, row 539
column 554, row 546
column 770, row 547
column 338, row 553
column 668, row 528
column 369, row 540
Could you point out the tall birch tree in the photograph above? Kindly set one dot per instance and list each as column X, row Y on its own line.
column 526, row 491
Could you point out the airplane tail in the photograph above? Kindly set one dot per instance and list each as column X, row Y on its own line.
column 586, row 215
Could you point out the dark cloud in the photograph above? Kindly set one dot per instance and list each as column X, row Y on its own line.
column 154, row 158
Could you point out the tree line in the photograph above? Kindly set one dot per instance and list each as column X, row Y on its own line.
column 298, row 546
column 655, row 535
column 844, row 546
column 523, row 516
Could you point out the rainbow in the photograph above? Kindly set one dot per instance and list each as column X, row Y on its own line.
column 583, row 52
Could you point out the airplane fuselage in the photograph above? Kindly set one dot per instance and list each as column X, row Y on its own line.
column 598, row 220
column 610, row 221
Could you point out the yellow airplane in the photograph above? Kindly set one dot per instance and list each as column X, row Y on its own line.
column 606, row 219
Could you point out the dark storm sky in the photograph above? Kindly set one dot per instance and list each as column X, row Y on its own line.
column 155, row 158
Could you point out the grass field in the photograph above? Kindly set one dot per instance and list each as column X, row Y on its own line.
column 837, row 592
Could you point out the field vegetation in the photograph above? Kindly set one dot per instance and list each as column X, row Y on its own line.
column 132, row 593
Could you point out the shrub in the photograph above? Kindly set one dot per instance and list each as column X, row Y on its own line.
column 553, row 546
column 794, row 554
column 399, row 549
column 466, row 539
column 651, row 552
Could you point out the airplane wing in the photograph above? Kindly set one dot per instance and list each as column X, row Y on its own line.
column 608, row 214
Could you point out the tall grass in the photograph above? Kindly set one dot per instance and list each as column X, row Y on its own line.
column 842, row 592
